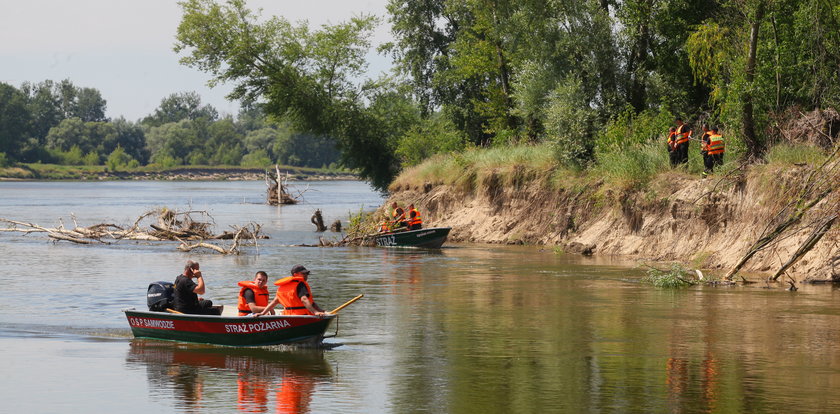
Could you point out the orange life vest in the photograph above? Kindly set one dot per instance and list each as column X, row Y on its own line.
column 287, row 292
column 682, row 136
column 260, row 296
column 716, row 144
column 414, row 217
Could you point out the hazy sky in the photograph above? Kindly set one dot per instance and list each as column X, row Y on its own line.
column 123, row 48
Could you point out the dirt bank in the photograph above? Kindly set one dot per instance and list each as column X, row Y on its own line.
column 703, row 223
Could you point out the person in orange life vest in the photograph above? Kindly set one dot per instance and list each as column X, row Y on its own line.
column 681, row 138
column 671, row 146
column 254, row 295
column 186, row 293
column 716, row 147
column 295, row 295
column 398, row 216
column 414, row 220
column 704, row 149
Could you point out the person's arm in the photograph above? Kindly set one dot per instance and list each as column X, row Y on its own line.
column 199, row 288
column 252, row 303
column 315, row 309
column 270, row 307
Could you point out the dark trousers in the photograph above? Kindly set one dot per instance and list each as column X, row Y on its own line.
column 682, row 153
column 708, row 163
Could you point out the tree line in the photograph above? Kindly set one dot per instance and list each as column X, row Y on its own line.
column 58, row 122
column 586, row 78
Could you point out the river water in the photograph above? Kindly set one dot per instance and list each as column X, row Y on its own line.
column 466, row 329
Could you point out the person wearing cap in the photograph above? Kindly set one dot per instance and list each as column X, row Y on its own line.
column 295, row 295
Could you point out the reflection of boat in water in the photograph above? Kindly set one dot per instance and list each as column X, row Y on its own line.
column 191, row 371
column 228, row 330
column 431, row 238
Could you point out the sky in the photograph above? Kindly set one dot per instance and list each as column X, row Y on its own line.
column 123, row 48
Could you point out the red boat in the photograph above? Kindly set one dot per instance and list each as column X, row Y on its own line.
column 229, row 330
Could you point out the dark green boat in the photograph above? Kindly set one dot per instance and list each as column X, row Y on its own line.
column 431, row 238
column 229, row 330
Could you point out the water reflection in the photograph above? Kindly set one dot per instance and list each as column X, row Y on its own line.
column 205, row 378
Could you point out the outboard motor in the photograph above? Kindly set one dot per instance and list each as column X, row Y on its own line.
column 159, row 296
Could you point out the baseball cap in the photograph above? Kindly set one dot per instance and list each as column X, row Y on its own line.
column 300, row 269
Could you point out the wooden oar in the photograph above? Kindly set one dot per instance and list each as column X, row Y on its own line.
column 174, row 311
column 347, row 303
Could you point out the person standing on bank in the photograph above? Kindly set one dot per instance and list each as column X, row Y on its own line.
column 253, row 297
column 704, row 150
column 681, row 138
column 716, row 147
column 295, row 295
column 186, row 298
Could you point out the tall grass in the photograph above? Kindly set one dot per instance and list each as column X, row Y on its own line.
column 795, row 154
column 465, row 169
column 633, row 166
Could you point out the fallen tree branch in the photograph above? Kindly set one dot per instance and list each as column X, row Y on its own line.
column 809, row 244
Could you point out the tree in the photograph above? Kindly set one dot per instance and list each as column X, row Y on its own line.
column 14, row 120
column 180, row 106
column 302, row 75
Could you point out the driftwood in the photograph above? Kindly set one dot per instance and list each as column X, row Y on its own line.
column 821, row 182
column 277, row 189
column 809, row 243
column 336, row 226
column 169, row 225
column 318, row 220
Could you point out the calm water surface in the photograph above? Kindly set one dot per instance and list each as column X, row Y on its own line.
column 467, row 329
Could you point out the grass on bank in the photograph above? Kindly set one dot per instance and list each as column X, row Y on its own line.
column 633, row 168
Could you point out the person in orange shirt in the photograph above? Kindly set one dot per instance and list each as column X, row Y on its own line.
column 295, row 295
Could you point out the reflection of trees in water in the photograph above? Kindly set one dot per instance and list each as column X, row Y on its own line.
column 199, row 377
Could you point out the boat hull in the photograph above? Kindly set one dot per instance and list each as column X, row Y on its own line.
column 227, row 330
column 431, row 238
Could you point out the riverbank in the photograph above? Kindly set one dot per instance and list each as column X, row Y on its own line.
column 677, row 216
column 203, row 173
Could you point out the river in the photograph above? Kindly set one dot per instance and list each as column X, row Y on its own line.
column 465, row 329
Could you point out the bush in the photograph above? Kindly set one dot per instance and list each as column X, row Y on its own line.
column 91, row 158
column 570, row 123
column 256, row 159
column 118, row 159
column 676, row 277
column 629, row 129
column 4, row 161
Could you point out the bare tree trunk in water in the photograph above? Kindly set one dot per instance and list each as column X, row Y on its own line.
column 754, row 146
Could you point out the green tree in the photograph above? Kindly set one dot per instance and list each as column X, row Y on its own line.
column 14, row 120
column 180, row 106
column 172, row 141
column 118, row 159
column 303, row 75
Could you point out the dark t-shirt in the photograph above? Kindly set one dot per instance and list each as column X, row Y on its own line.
column 248, row 294
column 185, row 299
column 301, row 291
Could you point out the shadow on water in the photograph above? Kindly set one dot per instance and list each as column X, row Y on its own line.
column 198, row 376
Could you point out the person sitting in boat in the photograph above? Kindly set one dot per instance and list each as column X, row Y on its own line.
column 398, row 216
column 185, row 298
column 414, row 220
column 295, row 295
column 253, row 297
